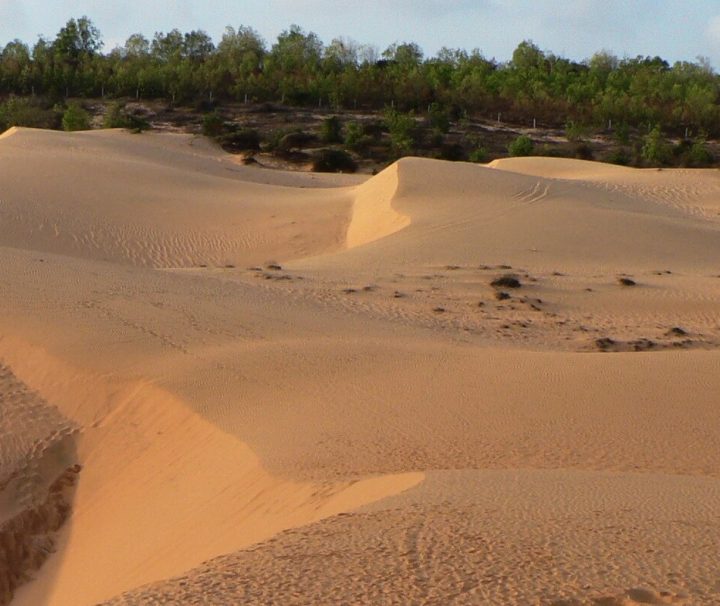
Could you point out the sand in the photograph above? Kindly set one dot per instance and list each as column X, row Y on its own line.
column 221, row 384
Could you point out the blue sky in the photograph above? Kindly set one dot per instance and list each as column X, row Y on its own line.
column 673, row 29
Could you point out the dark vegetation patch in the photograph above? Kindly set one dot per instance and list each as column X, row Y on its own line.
column 506, row 281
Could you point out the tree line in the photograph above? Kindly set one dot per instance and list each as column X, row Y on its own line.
column 299, row 69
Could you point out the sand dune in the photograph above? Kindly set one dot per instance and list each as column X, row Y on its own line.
column 289, row 388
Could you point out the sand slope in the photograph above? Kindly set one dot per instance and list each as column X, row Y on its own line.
column 270, row 413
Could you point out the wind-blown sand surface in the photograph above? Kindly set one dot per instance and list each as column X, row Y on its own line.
column 224, row 385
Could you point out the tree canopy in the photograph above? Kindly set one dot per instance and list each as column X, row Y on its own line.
column 298, row 68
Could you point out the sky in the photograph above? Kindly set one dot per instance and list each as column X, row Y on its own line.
column 673, row 29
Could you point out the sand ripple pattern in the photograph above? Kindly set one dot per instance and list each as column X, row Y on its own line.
column 444, row 543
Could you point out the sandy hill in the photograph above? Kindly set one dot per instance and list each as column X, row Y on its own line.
column 226, row 385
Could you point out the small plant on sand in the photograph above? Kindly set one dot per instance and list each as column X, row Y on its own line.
column 627, row 282
column 506, row 281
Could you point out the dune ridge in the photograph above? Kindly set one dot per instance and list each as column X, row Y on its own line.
column 290, row 388
column 184, row 468
column 373, row 215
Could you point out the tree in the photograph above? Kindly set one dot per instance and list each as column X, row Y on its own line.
column 74, row 47
column 293, row 64
column 136, row 46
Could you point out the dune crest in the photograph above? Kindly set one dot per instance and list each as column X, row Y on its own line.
column 187, row 491
column 373, row 215
column 9, row 132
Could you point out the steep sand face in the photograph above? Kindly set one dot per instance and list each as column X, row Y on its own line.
column 373, row 215
column 538, row 450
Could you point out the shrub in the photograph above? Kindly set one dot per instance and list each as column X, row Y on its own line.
column 403, row 131
column 479, row 155
column 287, row 141
column 521, row 146
column 354, row 135
column 331, row 130
column 244, row 139
column 439, row 118
column 622, row 134
column 699, row 155
column 334, row 161
column 75, row 118
column 454, row 152
column 655, row 150
column 117, row 116
column 584, row 152
column 576, row 132
column 212, row 124
column 619, row 156
column 18, row 111
column 506, row 281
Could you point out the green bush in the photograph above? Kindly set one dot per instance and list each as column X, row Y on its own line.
column 619, row 156
column 521, row 146
column 479, row 155
column 699, row 154
column 576, row 132
column 439, row 118
column 117, row 116
column 334, row 161
column 19, row 111
column 655, row 150
column 244, row 139
column 213, row 124
column 331, row 130
column 403, row 131
column 622, row 134
column 75, row 118
column 354, row 134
